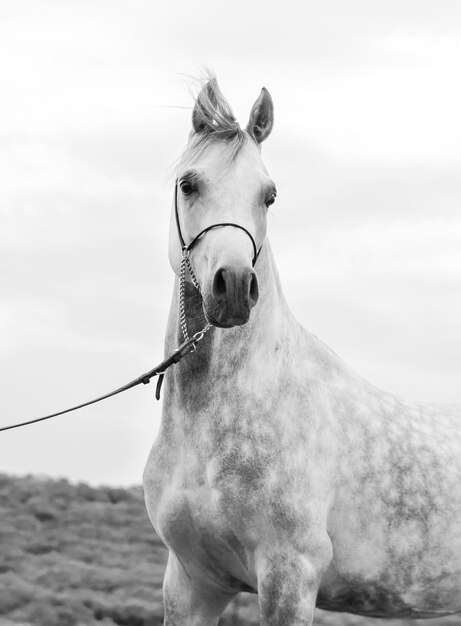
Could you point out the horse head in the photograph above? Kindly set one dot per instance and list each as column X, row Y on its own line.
column 222, row 195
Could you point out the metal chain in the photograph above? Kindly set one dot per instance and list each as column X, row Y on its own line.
column 182, row 298
column 191, row 271
column 186, row 264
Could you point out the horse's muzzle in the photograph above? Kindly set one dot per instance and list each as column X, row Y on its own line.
column 234, row 293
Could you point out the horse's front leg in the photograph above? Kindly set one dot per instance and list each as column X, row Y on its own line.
column 287, row 587
column 188, row 602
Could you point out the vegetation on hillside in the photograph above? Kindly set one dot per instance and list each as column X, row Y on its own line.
column 74, row 555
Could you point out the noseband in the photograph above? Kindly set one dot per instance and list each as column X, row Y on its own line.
column 187, row 248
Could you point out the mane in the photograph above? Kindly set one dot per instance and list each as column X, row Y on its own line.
column 213, row 122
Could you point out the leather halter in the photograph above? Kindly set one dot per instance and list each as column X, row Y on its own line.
column 188, row 247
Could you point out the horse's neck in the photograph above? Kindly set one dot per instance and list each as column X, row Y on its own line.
column 227, row 351
column 247, row 368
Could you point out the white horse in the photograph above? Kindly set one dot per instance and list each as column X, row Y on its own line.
column 277, row 470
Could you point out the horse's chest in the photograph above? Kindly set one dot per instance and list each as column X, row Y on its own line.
column 193, row 498
column 211, row 508
column 243, row 487
column 190, row 521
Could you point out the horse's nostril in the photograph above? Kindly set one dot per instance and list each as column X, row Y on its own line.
column 219, row 284
column 254, row 289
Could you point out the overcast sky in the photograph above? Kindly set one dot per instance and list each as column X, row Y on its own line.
column 366, row 154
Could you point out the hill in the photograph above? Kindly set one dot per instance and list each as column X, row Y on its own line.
column 74, row 555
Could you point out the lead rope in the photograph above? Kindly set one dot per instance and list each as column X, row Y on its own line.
column 187, row 346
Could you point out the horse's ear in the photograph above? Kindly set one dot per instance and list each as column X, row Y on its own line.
column 200, row 114
column 261, row 117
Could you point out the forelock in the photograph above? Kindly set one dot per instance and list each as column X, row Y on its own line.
column 217, row 124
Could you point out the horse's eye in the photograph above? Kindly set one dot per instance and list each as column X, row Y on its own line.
column 271, row 199
column 186, row 187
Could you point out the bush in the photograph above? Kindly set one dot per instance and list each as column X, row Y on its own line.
column 15, row 594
